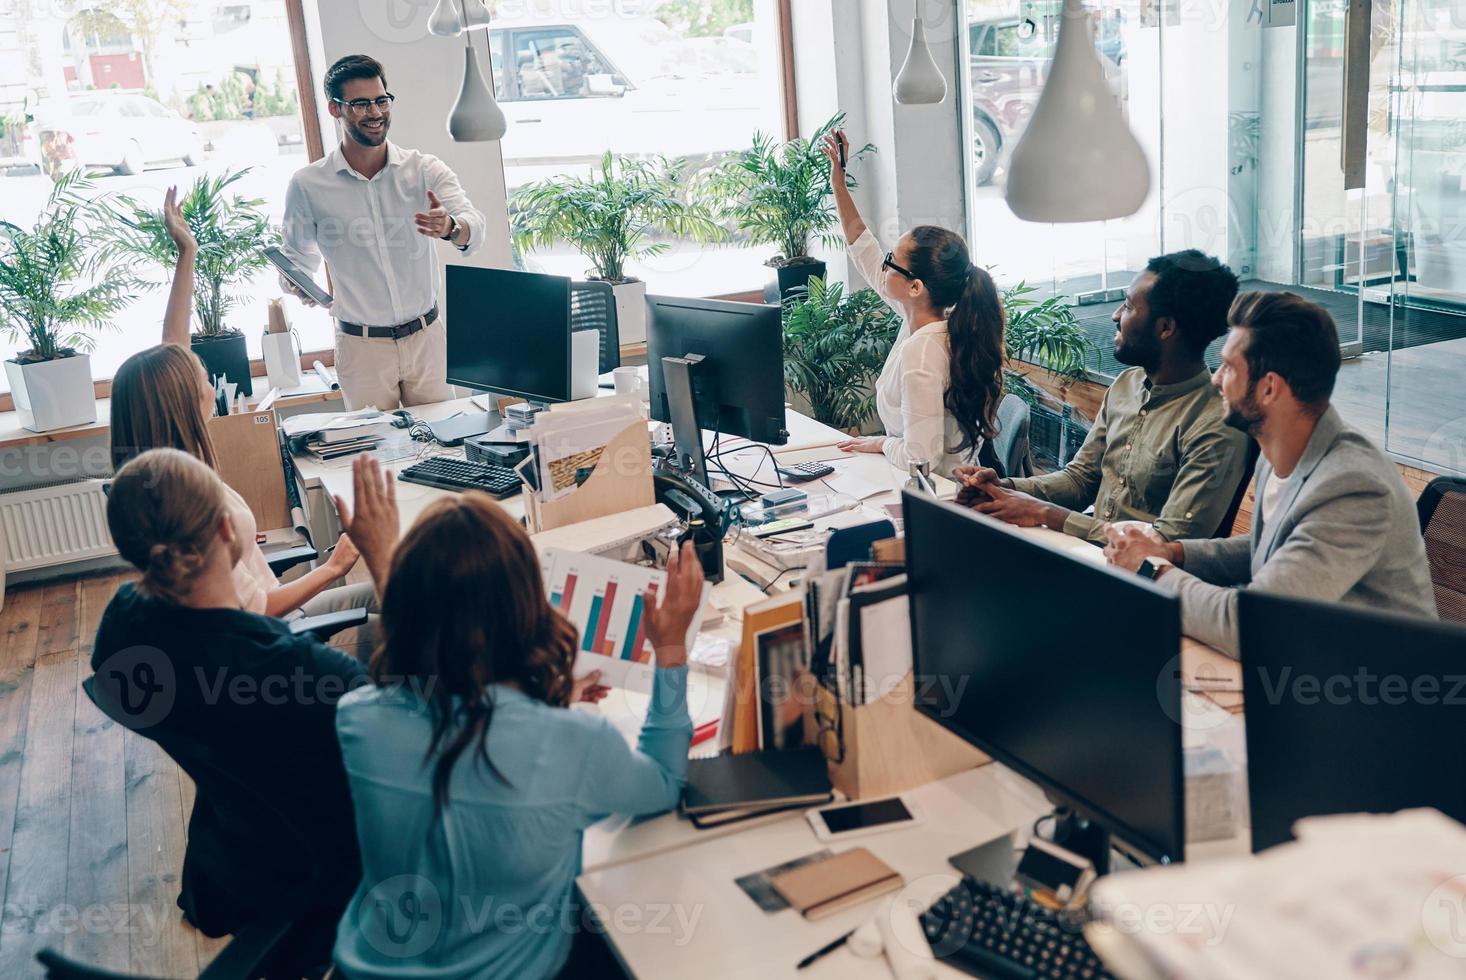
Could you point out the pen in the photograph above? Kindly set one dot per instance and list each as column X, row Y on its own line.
column 824, row 950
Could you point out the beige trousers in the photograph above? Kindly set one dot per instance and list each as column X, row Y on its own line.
column 386, row 373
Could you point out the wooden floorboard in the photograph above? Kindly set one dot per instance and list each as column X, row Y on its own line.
column 161, row 945
column 17, row 664
column 96, row 875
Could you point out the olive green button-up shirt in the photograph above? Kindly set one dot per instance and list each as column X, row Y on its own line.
column 1157, row 453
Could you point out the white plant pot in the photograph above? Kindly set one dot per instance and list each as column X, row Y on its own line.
column 630, row 311
column 53, row 394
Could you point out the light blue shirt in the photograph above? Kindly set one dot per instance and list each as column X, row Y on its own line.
column 486, row 890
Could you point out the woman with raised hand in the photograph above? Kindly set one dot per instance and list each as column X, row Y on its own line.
column 473, row 781
column 161, row 398
column 938, row 394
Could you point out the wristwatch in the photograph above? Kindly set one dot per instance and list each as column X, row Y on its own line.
column 1151, row 567
column 452, row 228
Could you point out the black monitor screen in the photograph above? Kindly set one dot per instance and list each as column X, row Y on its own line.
column 509, row 332
column 740, row 384
column 1348, row 711
column 1060, row 668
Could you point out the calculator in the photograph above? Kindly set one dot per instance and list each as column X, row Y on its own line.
column 801, row 472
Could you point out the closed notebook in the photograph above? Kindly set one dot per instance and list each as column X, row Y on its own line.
column 757, row 780
column 825, row 887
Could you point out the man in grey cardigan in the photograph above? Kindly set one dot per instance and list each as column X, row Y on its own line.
column 1333, row 520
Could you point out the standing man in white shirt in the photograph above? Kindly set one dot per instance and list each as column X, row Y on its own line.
column 372, row 210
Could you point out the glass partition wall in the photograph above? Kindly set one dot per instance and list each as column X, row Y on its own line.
column 1241, row 106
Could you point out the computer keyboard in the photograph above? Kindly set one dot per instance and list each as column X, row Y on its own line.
column 447, row 473
column 986, row 931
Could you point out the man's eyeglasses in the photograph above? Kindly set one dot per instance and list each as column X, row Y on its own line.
column 358, row 106
column 888, row 264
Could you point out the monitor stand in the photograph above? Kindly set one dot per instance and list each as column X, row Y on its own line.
column 1075, row 832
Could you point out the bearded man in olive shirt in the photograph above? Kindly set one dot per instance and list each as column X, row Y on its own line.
column 1160, row 450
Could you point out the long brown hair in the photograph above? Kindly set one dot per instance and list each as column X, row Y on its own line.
column 164, row 509
column 465, row 609
column 157, row 398
column 975, row 327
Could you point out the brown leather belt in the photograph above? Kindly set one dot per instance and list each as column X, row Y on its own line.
column 391, row 333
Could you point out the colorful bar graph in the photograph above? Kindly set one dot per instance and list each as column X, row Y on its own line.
column 603, row 621
column 635, row 649
column 592, row 623
column 562, row 600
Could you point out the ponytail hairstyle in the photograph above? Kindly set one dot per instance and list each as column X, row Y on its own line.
column 164, row 509
column 975, row 326
column 474, row 567
column 157, row 403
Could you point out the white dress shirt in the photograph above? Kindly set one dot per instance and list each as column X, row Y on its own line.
column 912, row 387
column 383, row 271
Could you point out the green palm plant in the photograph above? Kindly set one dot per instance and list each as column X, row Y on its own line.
column 58, row 283
column 1045, row 332
column 610, row 216
column 834, row 347
column 779, row 193
column 230, row 230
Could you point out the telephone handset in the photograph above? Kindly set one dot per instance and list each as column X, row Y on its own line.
column 704, row 514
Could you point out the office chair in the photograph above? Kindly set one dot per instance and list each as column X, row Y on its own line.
column 593, row 307
column 1442, row 510
column 253, row 948
column 1010, row 445
column 1249, row 467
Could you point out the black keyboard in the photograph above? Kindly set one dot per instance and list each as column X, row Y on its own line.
column 802, row 472
column 987, row 931
column 447, row 473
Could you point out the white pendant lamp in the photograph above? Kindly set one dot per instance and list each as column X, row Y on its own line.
column 920, row 81
column 1078, row 159
column 475, row 15
column 444, row 21
column 476, row 117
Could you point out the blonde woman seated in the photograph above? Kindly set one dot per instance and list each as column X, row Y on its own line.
column 162, row 399
column 937, row 395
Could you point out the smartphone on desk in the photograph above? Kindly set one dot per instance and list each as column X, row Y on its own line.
column 834, row 823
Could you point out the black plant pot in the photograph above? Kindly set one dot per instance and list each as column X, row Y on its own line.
column 227, row 356
column 786, row 277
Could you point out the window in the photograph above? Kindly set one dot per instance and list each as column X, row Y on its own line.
column 690, row 79
column 213, row 89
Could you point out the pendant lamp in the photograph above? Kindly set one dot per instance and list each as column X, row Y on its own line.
column 444, row 21
column 920, row 81
column 476, row 117
column 475, row 15
column 1077, row 159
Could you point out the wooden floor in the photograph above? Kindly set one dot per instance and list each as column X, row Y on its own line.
column 92, row 817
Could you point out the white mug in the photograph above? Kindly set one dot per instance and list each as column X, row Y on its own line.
column 627, row 380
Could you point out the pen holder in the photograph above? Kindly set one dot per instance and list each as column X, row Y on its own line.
column 885, row 747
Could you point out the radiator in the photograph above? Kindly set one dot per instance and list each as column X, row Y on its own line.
column 54, row 525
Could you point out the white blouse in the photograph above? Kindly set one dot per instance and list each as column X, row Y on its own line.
column 253, row 580
column 913, row 382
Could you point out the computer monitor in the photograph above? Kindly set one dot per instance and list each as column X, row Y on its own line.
column 740, row 383
column 1348, row 710
column 509, row 333
column 1058, row 667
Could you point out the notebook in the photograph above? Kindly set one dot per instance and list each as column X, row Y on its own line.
column 822, row 888
column 756, row 781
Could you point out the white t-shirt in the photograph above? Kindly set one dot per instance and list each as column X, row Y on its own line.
column 912, row 386
column 253, row 579
column 1272, row 495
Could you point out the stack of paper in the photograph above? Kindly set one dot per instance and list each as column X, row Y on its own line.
column 1357, row 895
column 567, row 444
column 327, row 435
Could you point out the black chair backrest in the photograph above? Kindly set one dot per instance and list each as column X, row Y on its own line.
column 248, row 816
column 1442, row 510
column 1249, row 467
column 593, row 307
column 1011, row 443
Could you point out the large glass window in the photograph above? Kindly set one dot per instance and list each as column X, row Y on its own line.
column 144, row 96
column 690, row 79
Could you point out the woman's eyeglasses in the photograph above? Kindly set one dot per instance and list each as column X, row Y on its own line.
column 888, row 264
column 358, row 106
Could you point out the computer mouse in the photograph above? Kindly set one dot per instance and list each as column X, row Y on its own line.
column 403, row 418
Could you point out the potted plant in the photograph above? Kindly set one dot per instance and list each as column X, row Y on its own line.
column 779, row 194
column 57, row 287
column 610, row 218
column 834, row 346
column 230, row 230
column 1045, row 333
